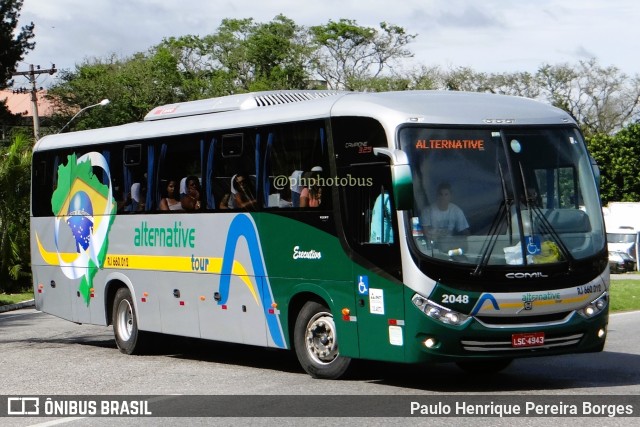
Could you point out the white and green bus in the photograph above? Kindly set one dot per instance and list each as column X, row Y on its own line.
column 405, row 227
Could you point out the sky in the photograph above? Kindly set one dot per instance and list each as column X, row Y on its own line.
column 486, row 35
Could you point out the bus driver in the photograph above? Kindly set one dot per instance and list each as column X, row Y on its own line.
column 444, row 218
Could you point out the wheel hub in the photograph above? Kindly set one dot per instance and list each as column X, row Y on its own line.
column 321, row 338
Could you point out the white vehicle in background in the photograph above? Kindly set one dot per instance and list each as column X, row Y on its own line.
column 622, row 221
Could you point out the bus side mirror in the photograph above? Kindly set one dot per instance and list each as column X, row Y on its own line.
column 401, row 181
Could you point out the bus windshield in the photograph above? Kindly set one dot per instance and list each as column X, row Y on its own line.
column 503, row 197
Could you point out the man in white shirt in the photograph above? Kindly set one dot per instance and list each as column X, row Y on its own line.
column 444, row 218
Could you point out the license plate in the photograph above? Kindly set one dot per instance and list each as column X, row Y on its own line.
column 527, row 340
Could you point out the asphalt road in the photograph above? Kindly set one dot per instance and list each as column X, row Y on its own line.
column 43, row 355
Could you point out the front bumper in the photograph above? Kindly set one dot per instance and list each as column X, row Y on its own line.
column 433, row 341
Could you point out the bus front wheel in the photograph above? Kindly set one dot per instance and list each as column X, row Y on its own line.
column 316, row 342
column 129, row 339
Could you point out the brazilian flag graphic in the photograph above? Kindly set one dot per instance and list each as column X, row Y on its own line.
column 85, row 205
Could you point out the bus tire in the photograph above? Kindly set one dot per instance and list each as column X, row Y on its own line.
column 481, row 367
column 129, row 338
column 316, row 343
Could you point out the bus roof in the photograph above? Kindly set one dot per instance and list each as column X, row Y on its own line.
column 262, row 108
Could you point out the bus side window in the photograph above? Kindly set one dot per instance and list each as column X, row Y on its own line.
column 370, row 207
column 134, row 172
column 43, row 184
column 231, row 158
column 297, row 163
column 369, row 215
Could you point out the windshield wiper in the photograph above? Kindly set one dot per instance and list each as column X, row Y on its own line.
column 503, row 211
column 545, row 225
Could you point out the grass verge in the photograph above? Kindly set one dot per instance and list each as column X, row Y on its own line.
column 6, row 299
column 625, row 295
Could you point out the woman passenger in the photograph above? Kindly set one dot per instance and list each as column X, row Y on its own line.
column 170, row 199
column 191, row 201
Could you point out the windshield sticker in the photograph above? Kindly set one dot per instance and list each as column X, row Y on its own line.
column 533, row 245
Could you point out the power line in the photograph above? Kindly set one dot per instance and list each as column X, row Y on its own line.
column 31, row 76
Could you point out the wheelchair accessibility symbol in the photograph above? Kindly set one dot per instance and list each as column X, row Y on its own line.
column 363, row 285
column 534, row 246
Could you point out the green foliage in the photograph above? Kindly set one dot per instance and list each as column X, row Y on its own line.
column 347, row 54
column 277, row 53
column 618, row 157
column 380, row 84
column 15, row 166
column 134, row 86
column 240, row 56
column 252, row 56
column 13, row 46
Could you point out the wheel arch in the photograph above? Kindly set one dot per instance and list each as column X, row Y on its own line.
column 295, row 305
column 113, row 283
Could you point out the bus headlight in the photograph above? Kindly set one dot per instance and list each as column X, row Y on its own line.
column 595, row 307
column 438, row 312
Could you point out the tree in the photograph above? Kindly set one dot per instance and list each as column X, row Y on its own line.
column 346, row 53
column 251, row 56
column 12, row 48
column 465, row 79
column 278, row 54
column 196, row 78
column 15, row 182
column 618, row 157
column 134, row 86
column 601, row 99
column 241, row 56
column 425, row 78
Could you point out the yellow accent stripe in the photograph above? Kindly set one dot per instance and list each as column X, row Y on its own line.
column 156, row 263
column 51, row 258
column 536, row 302
column 176, row 263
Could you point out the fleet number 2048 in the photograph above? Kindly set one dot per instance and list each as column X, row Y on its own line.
column 455, row 299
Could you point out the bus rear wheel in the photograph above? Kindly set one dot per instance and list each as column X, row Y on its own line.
column 316, row 343
column 480, row 367
column 129, row 338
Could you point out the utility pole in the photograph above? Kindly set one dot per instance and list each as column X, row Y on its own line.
column 31, row 76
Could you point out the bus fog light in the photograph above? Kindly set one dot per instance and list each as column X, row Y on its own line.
column 602, row 332
column 438, row 312
column 430, row 342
